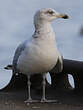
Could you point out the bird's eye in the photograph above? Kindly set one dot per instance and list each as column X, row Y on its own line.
column 50, row 12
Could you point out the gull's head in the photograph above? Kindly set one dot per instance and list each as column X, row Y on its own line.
column 48, row 15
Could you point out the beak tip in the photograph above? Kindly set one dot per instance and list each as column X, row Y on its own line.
column 65, row 16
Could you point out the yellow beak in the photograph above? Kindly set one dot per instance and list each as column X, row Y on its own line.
column 64, row 16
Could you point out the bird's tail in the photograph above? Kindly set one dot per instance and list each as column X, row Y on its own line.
column 8, row 67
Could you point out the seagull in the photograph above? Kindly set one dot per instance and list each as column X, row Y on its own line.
column 39, row 54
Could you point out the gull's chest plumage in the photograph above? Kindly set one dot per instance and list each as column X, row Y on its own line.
column 38, row 56
column 45, row 51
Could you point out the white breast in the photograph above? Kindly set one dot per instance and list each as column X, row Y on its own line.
column 37, row 58
column 40, row 54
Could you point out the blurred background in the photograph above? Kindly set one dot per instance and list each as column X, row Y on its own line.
column 16, row 25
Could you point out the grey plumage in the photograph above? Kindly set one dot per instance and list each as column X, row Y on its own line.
column 59, row 65
column 18, row 51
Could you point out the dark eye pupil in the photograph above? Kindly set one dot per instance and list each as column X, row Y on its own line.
column 51, row 12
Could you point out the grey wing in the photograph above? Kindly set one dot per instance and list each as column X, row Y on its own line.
column 59, row 64
column 18, row 51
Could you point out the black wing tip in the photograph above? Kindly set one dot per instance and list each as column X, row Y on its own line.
column 8, row 67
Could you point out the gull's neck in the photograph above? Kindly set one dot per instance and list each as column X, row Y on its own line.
column 44, row 33
column 43, row 27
